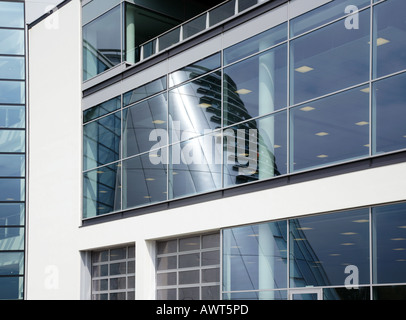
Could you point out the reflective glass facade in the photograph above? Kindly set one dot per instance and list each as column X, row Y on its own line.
column 350, row 255
column 290, row 99
column 12, row 149
column 113, row 30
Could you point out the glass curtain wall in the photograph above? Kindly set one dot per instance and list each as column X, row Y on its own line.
column 350, row 255
column 113, row 30
column 12, row 149
column 321, row 89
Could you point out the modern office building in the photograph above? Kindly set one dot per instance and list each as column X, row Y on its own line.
column 12, row 149
column 216, row 150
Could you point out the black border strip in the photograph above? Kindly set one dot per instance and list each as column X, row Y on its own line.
column 355, row 166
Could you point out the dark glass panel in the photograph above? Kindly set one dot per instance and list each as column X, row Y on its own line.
column 102, row 43
column 389, row 238
column 324, row 14
column 12, row 214
column 322, row 63
column 102, row 191
column 256, row 43
column 101, row 141
column 256, row 86
column 195, row 107
column 12, row 165
column 12, row 92
column 389, row 130
column 12, row 190
column 390, row 293
column 11, row 288
column 11, row 263
column 145, row 180
column 330, row 130
column 389, row 44
column 256, row 150
column 194, row 70
column 145, row 126
column 145, row 91
column 255, row 257
column 102, row 109
column 195, row 166
column 11, row 239
column 322, row 247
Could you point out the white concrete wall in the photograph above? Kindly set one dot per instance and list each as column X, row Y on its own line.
column 55, row 235
column 54, row 176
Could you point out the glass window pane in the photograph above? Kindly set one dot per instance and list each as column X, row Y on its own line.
column 195, row 166
column 145, row 126
column 194, row 70
column 94, row 8
column 145, row 180
column 211, row 293
column 256, row 86
column 168, row 39
column 118, row 254
column 11, row 288
column 210, row 258
column 256, row 150
column 167, row 263
column 321, row 247
column 323, row 64
column 12, row 190
column 166, row 279
column 12, row 214
column 195, row 107
column 194, row 26
column 11, row 263
column 101, row 141
column 12, row 68
column 221, row 13
column 324, row 14
column 256, row 44
column 361, row 293
column 12, row 14
column 100, row 256
column 255, row 257
column 145, row 91
column 12, row 92
column 245, row 4
column 11, row 239
column 170, row 246
column 211, row 241
column 390, row 243
column 390, row 293
column 12, row 42
column 389, row 46
column 102, row 43
column 389, row 130
column 258, row 295
column 330, row 130
column 189, row 260
column 12, row 117
column 211, row 275
column 102, row 109
column 102, row 191
column 166, row 294
column 12, row 141
column 189, row 277
column 12, row 165
column 189, row 244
